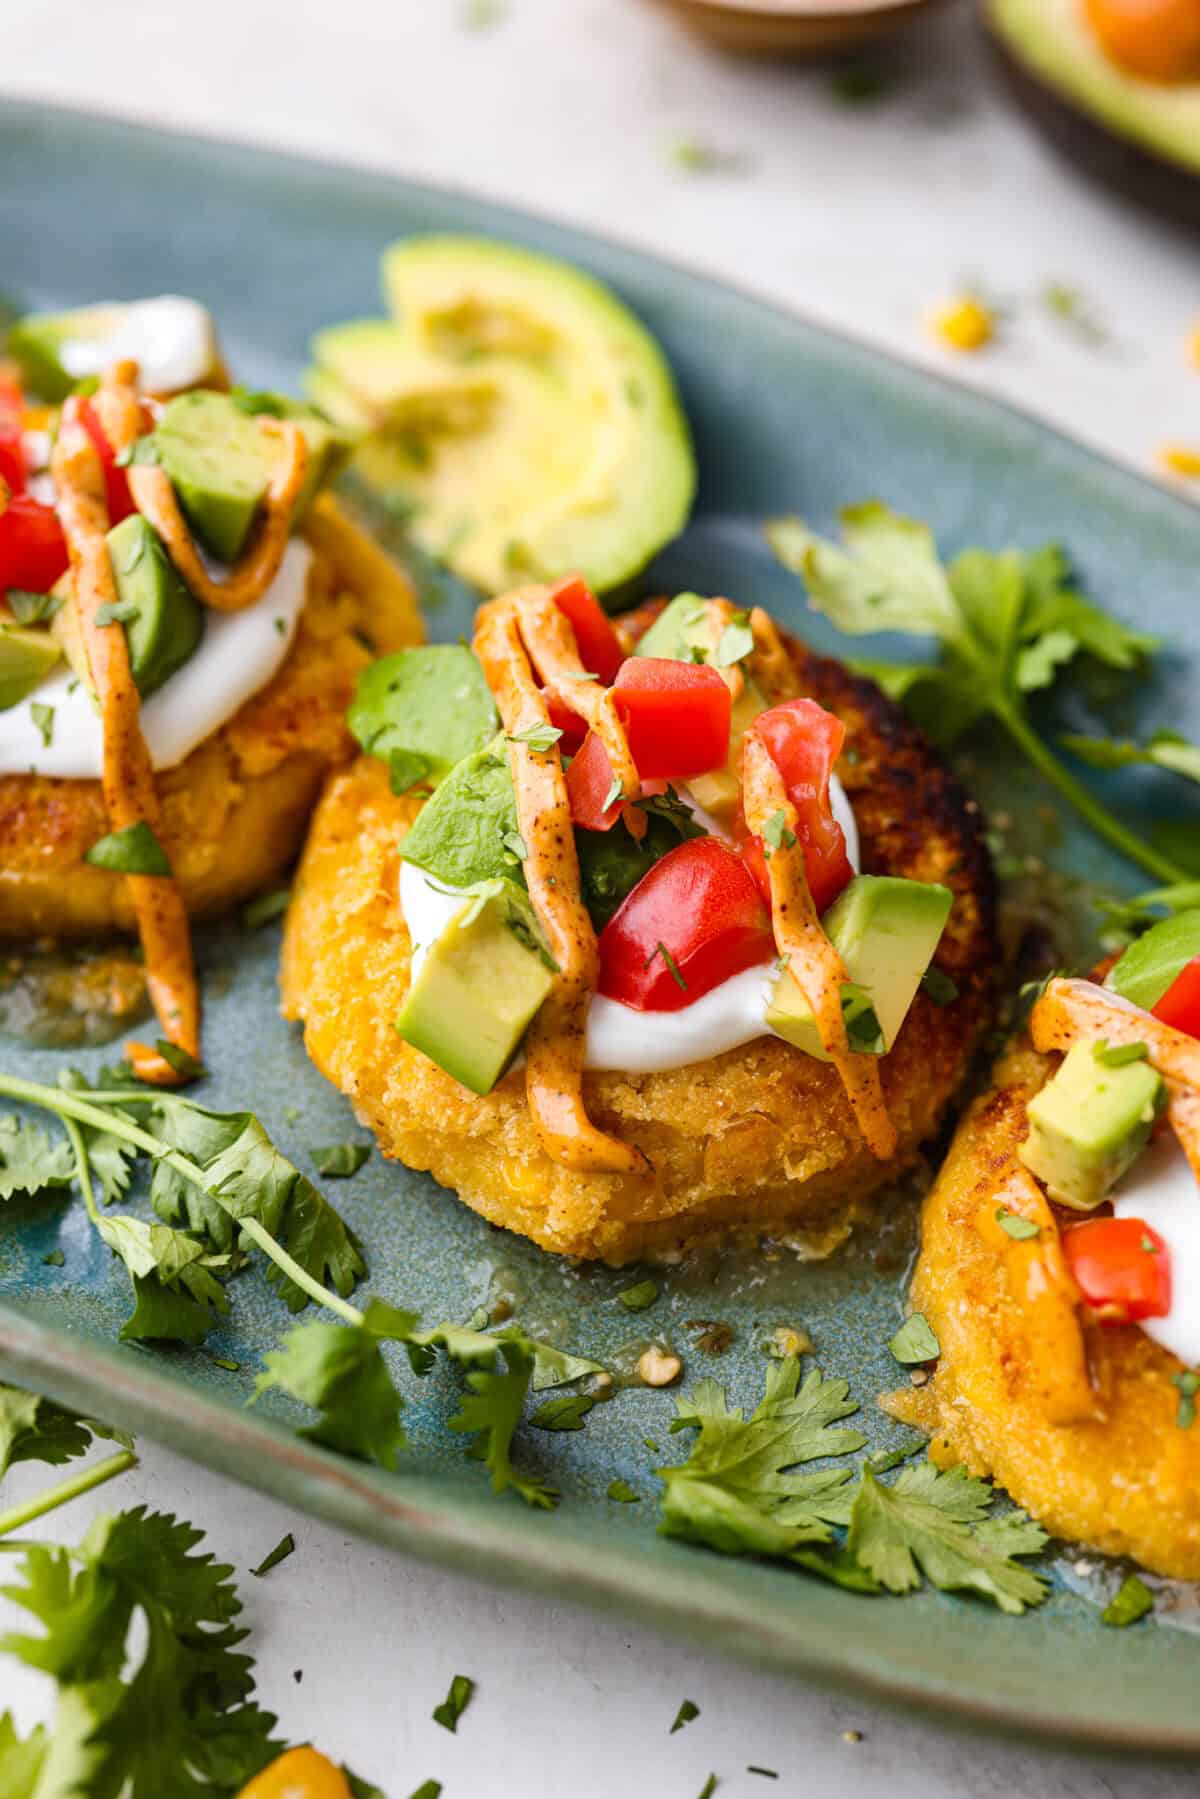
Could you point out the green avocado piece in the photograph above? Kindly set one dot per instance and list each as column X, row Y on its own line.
column 427, row 707
column 26, row 658
column 1051, row 40
column 330, row 445
column 1154, row 962
column 468, row 832
column 219, row 464
column 680, row 629
column 886, row 931
column 1089, row 1124
column 168, row 624
column 522, row 413
column 41, row 343
column 478, row 986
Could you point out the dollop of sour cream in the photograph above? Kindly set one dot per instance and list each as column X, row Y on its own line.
column 238, row 654
column 171, row 338
column 619, row 1036
column 1160, row 1190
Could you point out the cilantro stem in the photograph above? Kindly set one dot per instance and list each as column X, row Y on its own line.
column 69, row 1106
column 1085, row 803
column 66, row 1490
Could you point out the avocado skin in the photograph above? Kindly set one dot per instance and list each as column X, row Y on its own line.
column 1116, row 163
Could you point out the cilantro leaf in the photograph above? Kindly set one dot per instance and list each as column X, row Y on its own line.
column 936, row 1524
column 132, row 851
column 175, row 1291
column 21, row 1759
column 567, row 1412
column 455, row 1703
column 286, row 1546
column 492, row 1411
column 1165, row 749
column 735, row 1491
column 688, row 1710
column 30, row 1162
column 1131, row 1601
column 1007, row 625
column 915, row 1341
column 337, row 1161
column 339, row 1371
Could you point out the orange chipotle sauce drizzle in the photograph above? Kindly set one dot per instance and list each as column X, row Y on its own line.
column 128, row 778
column 1071, row 1012
column 508, row 631
column 814, row 963
column 249, row 579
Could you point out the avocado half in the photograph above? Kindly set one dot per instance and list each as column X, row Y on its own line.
column 1142, row 137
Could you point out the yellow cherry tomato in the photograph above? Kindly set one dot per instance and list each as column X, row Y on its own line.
column 298, row 1774
column 964, row 323
column 1156, row 39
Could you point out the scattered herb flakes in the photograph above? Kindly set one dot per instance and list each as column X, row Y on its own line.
column 886, row 1459
column 429, row 1789
column 714, row 1336
column 695, row 156
column 55, row 1259
column 616, row 792
column 186, row 1065
column 455, row 1703
column 338, row 1161
column 1188, row 1382
column 1070, row 306
column 687, row 1711
column 479, row 1320
column 32, row 608
column 281, row 626
column 539, row 738
column 776, row 831
column 118, row 612
column 267, row 906
column 1118, row 1055
column 132, row 851
column 567, row 1412
column 481, row 15
column 767, row 1773
column 577, row 674
column 735, row 642
column 30, row 1161
column 286, row 1546
column 622, row 1492
column 226, row 1362
column 43, row 718
column 1021, row 1229
column 639, row 1298
column 709, row 1787
column 1131, row 1601
column 292, row 1114
column 858, row 85
column 660, row 949
column 863, row 1029
column 938, row 985
column 915, row 1341
column 515, row 844
column 653, row 1445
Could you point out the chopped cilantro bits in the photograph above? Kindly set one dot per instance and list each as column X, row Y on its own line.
column 266, row 907
column 622, row 1492
column 567, row 1412
column 940, row 988
column 672, row 967
column 337, row 1161
column 1021, row 1229
column 776, row 831
column 1118, row 1055
column 687, row 1711
column 615, row 793
column 640, row 1297
column 915, row 1341
column 32, row 608
column 132, row 851
column 43, row 718
column 1131, row 1601
column 286, row 1546
column 119, row 612
column 455, row 1703
column 539, row 738
column 735, row 642
column 709, row 1787
column 54, row 1259
column 1188, row 1382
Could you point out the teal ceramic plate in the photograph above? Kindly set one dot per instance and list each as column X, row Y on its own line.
column 785, row 416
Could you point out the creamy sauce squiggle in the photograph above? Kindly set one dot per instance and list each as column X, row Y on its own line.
column 1161, row 1190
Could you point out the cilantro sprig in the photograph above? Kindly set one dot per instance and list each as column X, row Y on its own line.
column 1007, row 624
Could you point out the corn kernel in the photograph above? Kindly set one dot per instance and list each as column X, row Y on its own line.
column 964, row 323
column 1180, row 459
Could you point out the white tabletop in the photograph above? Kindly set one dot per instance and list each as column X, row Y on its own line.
column 864, row 216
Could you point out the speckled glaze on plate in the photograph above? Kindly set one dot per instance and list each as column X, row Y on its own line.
column 786, row 415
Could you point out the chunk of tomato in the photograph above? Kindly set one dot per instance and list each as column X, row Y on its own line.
column 1180, row 1004
column 33, row 550
column 116, row 482
column 676, row 719
column 12, row 449
column 1121, row 1267
column 694, row 921
column 804, row 742
column 600, row 648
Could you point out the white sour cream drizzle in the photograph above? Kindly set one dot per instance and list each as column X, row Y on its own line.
column 171, row 339
column 238, row 654
column 1160, row 1190
column 619, row 1036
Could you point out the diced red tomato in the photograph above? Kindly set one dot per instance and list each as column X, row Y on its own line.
column 573, row 728
column 116, row 483
column 599, row 646
column 676, row 719
column 33, row 550
column 1121, row 1267
column 691, row 923
column 1180, row 1004
column 804, row 742
column 12, row 451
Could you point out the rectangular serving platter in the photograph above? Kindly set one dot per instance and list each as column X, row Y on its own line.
column 786, row 416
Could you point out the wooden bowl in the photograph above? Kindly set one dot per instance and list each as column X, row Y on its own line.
column 796, row 27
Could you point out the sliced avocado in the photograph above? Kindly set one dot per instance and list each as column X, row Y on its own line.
column 886, row 931
column 26, row 658
column 171, row 338
column 478, row 986
column 1089, row 1123
column 330, row 445
column 1154, row 962
column 219, row 464
column 522, row 412
column 427, row 707
column 168, row 624
column 467, row 832
column 1052, row 43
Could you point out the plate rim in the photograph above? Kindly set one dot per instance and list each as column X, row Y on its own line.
column 151, row 1400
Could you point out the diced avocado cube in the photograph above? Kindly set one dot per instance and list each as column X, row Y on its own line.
column 26, row 658
column 1154, row 962
column 430, row 706
column 478, row 986
column 886, row 930
column 171, row 338
column 168, row 624
column 468, row 831
column 680, row 628
column 330, row 445
column 219, row 463
column 1089, row 1123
